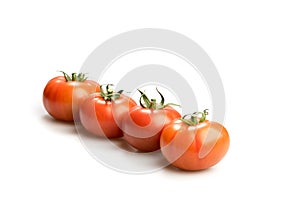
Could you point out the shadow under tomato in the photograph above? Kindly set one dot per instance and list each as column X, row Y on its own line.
column 122, row 144
column 118, row 142
column 174, row 170
column 83, row 133
column 59, row 126
column 54, row 121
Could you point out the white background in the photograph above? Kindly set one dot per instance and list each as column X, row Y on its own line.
column 255, row 46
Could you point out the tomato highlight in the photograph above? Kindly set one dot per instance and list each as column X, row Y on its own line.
column 143, row 127
column 63, row 95
column 195, row 143
column 101, row 114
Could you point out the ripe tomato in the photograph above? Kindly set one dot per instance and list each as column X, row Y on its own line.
column 143, row 127
column 101, row 113
column 193, row 144
column 63, row 94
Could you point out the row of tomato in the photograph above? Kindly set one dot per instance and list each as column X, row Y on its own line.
column 190, row 142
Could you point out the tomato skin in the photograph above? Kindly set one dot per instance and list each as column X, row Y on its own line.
column 194, row 147
column 143, row 127
column 61, row 99
column 103, row 118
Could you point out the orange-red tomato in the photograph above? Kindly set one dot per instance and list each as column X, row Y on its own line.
column 194, row 147
column 62, row 97
column 143, row 127
column 103, row 117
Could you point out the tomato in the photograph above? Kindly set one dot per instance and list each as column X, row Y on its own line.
column 101, row 113
column 193, row 144
column 143, row 127
column 63, row 94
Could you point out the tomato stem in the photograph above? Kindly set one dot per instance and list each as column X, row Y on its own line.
column 161, row 96
column 74, row 77
column 109, row 94
column 194, row 119
column 79, row 78
column 145, row 99
column 204, row 114
column 152, row 104
column 67, row 77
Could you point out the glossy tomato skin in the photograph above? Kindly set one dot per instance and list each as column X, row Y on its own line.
column 103, row 118
column 143, row 127
column 61, row 99
column 194, row 147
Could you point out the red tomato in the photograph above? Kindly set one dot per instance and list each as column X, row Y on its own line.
column 194, row 146
column 62, row 95
column 101, row 115
column 143, row 127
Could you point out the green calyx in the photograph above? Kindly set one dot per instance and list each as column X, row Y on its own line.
column 74, row 77
column 152, row 104
column 194, row 118
column 109, row 94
